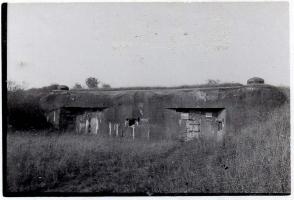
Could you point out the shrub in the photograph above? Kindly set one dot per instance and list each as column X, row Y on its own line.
column 23, row 109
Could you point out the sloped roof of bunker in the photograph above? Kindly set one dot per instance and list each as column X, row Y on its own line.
column 167, row 98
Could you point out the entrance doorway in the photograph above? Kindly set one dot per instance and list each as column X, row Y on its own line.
column 205, row 123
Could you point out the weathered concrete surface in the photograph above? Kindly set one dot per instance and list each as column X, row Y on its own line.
column 156, row 113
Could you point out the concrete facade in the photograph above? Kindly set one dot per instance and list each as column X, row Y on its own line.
column 187, row 113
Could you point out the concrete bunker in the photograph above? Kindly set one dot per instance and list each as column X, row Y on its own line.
column 164, row 113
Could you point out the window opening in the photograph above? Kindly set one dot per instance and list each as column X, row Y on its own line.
column 132, row 121
column 219, row 125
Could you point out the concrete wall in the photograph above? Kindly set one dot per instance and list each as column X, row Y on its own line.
column 53, row 117
column 158, row 111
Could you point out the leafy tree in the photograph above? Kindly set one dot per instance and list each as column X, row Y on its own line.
column 92, row 82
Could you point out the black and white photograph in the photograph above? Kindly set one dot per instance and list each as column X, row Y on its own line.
column 146, row 99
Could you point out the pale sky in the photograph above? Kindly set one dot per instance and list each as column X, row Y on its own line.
column 148, row 44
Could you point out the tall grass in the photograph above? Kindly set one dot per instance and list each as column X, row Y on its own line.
column 40, row 162
column 261, row 155
column 255, row 160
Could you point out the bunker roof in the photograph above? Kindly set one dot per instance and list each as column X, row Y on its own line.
column 167, row 97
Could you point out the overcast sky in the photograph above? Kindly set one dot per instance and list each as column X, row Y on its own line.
column 148, row 44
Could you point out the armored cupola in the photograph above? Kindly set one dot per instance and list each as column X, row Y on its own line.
column 255, row 80
column 62, row 87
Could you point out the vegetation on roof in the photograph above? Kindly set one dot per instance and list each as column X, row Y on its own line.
column 163, row 87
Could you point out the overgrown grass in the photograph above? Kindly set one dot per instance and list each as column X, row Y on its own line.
column 255, row 160
column 261, row 155
column 206, row 85
column 40, row 163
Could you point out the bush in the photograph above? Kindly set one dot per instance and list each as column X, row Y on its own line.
column 23, row 109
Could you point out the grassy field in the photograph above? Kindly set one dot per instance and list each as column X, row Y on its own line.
column 255, row 160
